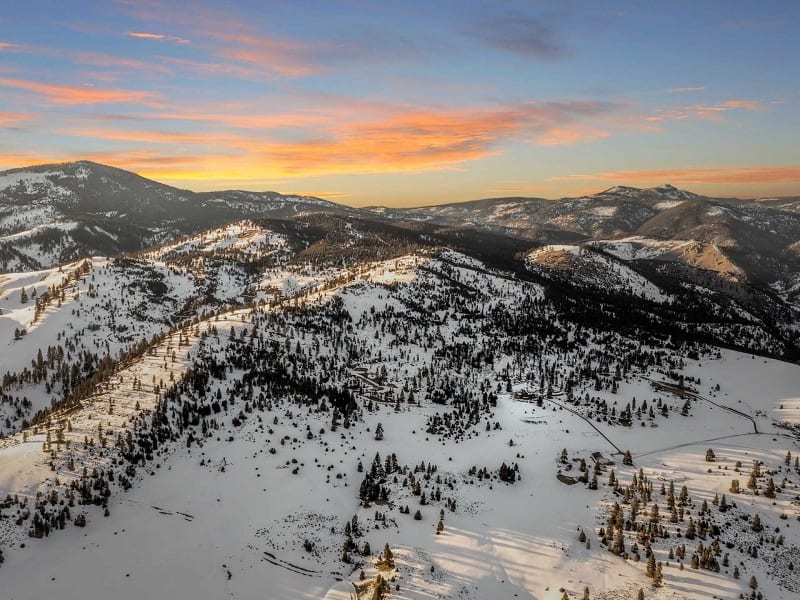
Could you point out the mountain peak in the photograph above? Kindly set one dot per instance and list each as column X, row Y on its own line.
column 670, row 191
column 620, row 190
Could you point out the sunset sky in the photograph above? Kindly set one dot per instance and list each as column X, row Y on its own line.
column 408, row 102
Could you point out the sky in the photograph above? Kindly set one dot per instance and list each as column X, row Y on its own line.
column 408, row 102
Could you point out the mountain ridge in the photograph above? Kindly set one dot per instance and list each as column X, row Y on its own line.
column 56, row 213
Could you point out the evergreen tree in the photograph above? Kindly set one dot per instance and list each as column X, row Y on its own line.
column 387, row 558
column 651, row 566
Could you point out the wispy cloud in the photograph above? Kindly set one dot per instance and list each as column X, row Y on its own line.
column 97, row 59
column 682, row 90
column 286, row 58
column 521, row 34
column 11, row 119
column 144, row 35
column 63, row 94
column 709, row 112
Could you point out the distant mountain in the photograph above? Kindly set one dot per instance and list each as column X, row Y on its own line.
column 51, row 214
column 757, row 240
column 226, row 386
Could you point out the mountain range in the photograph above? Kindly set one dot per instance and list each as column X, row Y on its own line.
column 50, row 214
column 248, row 395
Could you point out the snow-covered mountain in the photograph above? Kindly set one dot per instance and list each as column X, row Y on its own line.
column 288, row 399
column 51, row 214
column 757, row 236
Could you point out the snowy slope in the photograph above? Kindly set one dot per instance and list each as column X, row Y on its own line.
column 462, row 366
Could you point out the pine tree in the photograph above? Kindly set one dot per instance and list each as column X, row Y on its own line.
column 619, row 543
column 658, row 578
column 387, row 558
column 691, row 530
column 753, row 582
column 757, row 526
column 380, row 588
column 379, row 432
column 651, row 566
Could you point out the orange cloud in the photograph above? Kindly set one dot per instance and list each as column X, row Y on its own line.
column 714, row 111
column 571, row 134
column 358, row 138
column 62, row 94
column 697, row 175
column 285, row 58
column 429, row 140
column 9, row 119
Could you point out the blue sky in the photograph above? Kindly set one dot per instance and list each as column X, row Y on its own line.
column 408, row 102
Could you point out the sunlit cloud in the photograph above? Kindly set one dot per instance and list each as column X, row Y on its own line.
column 715, row 111
column 369, row 138
column 571, row 134
column 708, row 112
column 63, row 94
column 429, row 140
column 10, row 119
column 291, row 59
column 143, row 35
